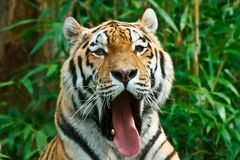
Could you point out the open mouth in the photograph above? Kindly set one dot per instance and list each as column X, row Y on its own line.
column 122, row 124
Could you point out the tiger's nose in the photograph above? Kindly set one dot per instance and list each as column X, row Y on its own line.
column 124, row 75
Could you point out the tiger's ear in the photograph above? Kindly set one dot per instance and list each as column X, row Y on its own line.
column 72, row 30
column 149, row 20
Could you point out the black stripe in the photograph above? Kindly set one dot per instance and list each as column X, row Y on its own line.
column 80, row 67
column 93, row 44
column 88, row 63
column 71, row 133
column 64, row 151
column 150, row 144
column 147, row 38
column 143, row 39
column 147, row 110
column 107, row 87
column 129, row 34
column 162, row 64
column 150, row 56
column 73, row 52
column 72, row 70
column 63, row 148
column 82, row 97
column 146, row 129
column 85, row 81
column 171, row 155
column 74, row 103
column 159, row 148
column 156, row 54
column 158, row 90
column 85, row 44
column 53, row 149
column 88, row 51
column 50, row 148
column 97, row 29
column 141, row 84
column 152, row 78
column 142, row 90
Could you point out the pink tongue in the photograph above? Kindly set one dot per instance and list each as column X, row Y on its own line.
column 126, row 138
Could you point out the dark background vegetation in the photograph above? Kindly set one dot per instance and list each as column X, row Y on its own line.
column 202, row 115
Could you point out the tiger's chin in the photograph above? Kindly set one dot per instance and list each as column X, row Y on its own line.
column 121, row 123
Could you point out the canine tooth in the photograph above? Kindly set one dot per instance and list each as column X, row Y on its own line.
column 113, row 132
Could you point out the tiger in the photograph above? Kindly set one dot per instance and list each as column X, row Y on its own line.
column 113, row 83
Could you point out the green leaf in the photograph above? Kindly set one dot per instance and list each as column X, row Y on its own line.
column 208, row 95
column 168, row 19
column 226, row 137
column 27, row 131
column 195, row 79
column 209, row 127
column 232, row 51
column 4, row 117
column 236, row 33
column 40, row 42
column 8, row 83
column 229, row 85
column 41, row 139
column 30, row 154
column 164, row 15
column 65, row 7
column 221, row 110
column 27, row 84
column 42, row 98
column 235, row 151
column 2, row 156
column 34, row 71
column 19, row 23
column 52, row 68
column 223, row 96
column 183, row 20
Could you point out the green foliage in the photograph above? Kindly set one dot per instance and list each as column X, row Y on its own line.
column 203, row 118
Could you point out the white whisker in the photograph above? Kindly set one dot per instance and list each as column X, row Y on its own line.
column 86, row 104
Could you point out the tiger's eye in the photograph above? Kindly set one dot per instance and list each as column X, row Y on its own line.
column 100, row 52
column 139, row 49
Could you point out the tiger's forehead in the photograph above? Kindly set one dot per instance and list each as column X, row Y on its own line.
column 114, row 31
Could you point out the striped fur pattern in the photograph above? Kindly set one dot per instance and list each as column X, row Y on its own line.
column 95, row 74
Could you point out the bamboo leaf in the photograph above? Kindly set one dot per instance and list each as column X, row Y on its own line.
column 52, row 68
column 41, row 139
column 229, row 85
column 8, row 83
column 27, row 84
column 41, row 42
column 221, row 110
column 223, row 96
column 19, row 23
column 34, row 71
column 183, row 20
column 164, row 15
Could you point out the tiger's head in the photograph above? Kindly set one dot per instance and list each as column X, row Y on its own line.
column 119, row 72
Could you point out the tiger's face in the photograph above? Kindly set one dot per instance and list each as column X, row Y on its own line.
column 119, row 56
column 119, row 70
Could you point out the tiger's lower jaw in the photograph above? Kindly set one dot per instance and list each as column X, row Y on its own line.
column 121, row 123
